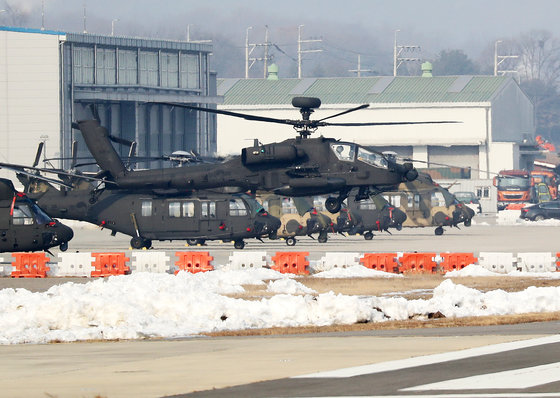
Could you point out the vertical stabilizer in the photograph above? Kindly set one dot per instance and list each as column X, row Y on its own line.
column 98, row 143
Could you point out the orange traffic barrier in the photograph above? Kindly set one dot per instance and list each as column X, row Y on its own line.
column 516, row 206
column 30, row 265
column 456, row 261
column 418, row 263
column 381, row 261
column 558, row 262
column 193, row 262
column 291, row 263
column 107, row 264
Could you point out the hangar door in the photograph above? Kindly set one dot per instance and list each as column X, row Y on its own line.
column 456, row 156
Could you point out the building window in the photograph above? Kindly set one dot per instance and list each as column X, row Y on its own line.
column 82, row 58
column 169, row 70
column 190, row 71
column 146, row 208
column 105, row 66
column 128, row 67
column 482, row 192
column 149, row 68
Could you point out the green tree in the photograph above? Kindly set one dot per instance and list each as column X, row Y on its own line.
column 454, row 62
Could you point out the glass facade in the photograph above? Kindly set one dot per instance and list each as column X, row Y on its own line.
column 99, row 65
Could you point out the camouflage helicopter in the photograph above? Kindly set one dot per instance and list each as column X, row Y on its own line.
column 301, row 166
column 365, row 216
column 426, row 204
column 24, row 226
column 298, row 217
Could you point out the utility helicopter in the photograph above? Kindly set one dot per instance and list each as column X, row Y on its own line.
column 300, row 166
column 26, row 227
column 426, row 204
column 147, row 214
column 298, row 217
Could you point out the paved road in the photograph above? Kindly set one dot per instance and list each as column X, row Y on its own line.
column 164, row 368
column 175, row 367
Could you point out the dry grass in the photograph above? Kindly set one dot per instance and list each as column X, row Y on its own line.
column 409, row 287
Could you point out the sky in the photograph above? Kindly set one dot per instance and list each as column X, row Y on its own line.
column 434, row 25
column 164, row 305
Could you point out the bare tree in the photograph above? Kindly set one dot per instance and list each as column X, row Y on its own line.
column 539, row 57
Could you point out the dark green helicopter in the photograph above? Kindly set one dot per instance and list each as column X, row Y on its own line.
column 299, row 166
column 147, row 214
column 26, row 227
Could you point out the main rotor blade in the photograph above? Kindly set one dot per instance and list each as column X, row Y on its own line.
column 384, row 123
column 344, row 112
column 234, row 114
column 40, row 177
column 23, row 170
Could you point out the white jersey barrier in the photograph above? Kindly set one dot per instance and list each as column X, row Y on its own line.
column 247, row 260
column 497, row 262
column 335, row 260
column 72, row 264
column 536, row 262
column 150, row 261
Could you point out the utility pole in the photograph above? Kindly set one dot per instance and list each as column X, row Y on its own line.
column 85, row 30
column 42, row 14
column 397, row 50
column 250, row 47
column 359, row 70
column 498, row 59
column 300, row 51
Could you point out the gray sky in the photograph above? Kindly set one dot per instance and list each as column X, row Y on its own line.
column 434, row 25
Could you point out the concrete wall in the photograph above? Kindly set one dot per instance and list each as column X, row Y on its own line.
column 235, row 134
column 29, row 96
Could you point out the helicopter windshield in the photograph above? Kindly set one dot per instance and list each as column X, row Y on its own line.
column 375, row 159
column 255, row 206
column 344, row 151
column 40, row 216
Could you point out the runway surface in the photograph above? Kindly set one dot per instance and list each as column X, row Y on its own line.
column 291, row 366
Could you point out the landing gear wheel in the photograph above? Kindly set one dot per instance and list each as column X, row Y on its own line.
column 468, row 222
column 368, row 236
column 332, row 204
column 273, row 235
column 323, row 237
column 291, row 241
column 239, row 244
column 63, row 246
column 137, row 243
column 195, row 242
column 439, row 231
column 399, row 227
column 147, row 243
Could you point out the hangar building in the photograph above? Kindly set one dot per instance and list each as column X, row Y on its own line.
column 492, row 117
column 48, row 79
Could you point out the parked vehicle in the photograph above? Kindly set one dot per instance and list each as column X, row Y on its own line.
column 469, row 199
column 514, row 187
column 541, row 211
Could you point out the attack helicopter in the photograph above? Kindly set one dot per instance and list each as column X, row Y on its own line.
column 300, row 166
column 26, row 227
column 426, row 204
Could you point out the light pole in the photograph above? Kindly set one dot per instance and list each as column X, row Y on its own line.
column 247, row 52
column 113, row 26
column 496, row 57
column 395, row 53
